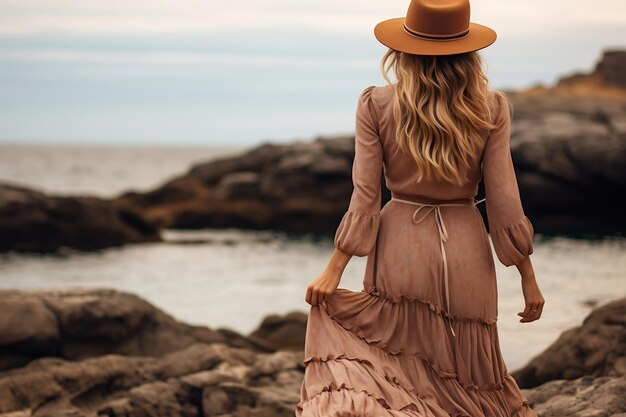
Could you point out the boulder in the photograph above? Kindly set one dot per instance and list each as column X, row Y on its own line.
column 200, row 380
column 284, row 332
column 79, row 324
column 570, row 159
column 609, row 71
column 298, row 187
column 32, row 221
column 582, row 397
column 596, row 348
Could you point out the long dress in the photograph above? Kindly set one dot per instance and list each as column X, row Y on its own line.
column 420, row 339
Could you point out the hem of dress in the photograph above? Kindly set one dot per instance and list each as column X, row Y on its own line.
column 519, row 411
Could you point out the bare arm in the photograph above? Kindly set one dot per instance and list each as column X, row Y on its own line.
column 511, row 231
column 328, row 281
column 533, row 298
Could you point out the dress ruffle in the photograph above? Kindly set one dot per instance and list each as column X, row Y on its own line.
column 366, row 356
column 348, row 402
column 513, row 242
column 356, row 233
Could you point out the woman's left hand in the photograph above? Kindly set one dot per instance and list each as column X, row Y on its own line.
column 323, row 286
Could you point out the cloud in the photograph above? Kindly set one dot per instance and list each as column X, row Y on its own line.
column 177, row 58
column 22, row 17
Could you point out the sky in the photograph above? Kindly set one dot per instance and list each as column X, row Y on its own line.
column 245, row 71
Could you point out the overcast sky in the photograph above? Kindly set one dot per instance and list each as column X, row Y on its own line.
column 207, row 72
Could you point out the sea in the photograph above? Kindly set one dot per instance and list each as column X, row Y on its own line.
column 234, row 278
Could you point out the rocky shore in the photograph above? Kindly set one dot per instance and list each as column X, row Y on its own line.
column 583, row 373
column 568, row 145
column 108, row 353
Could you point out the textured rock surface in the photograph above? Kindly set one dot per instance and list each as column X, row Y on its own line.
column 596, row 348
column 36, row 222
column 583, row 397
column 610, row 71
column 200, row 380
column 78, row 324
column 570, row 157
column 283, row 331
column 300, row 187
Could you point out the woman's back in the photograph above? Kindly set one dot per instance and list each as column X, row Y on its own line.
column 377, row 155
column 400, row 167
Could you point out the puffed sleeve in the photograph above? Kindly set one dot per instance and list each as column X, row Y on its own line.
column 358, row 229
column 511, row 231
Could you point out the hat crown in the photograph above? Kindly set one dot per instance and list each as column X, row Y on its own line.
column 438, row 17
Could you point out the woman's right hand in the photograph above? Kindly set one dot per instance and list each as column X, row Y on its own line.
column 532, row 294
column 323, row 286
column 534, row 300
column 328, row 281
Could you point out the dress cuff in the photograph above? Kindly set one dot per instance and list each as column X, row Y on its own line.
column 357, row 233
column 514, row 242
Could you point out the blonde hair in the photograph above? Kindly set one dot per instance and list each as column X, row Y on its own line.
column 441, row 106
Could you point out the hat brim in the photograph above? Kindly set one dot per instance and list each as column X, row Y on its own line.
column 391, row 33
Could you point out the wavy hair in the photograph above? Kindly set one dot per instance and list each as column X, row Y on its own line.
column 442, row 109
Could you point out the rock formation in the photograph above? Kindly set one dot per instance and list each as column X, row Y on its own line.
column 607, row 78
column 584, row 396
column 285, row 332
column 596, row 348
column 300, row 187
column 31, row 221
column 570, row 158
column 105, row 352
column 79, row 324
column 199, row 380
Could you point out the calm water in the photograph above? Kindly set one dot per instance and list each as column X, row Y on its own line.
column 99, row 170
column 233, row 278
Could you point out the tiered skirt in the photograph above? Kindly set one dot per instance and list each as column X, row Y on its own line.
column 368, row 355
column 388, row 349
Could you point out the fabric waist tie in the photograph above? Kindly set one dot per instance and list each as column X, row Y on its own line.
column 443, row 237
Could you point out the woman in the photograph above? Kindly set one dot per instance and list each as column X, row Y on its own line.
column 421, row 338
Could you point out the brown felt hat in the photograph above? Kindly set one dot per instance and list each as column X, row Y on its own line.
column 435, row 27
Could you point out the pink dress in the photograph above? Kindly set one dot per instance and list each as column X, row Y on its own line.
column 420, row 338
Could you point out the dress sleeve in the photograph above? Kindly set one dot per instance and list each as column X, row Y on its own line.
column 358, row 229
column 511, row 231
